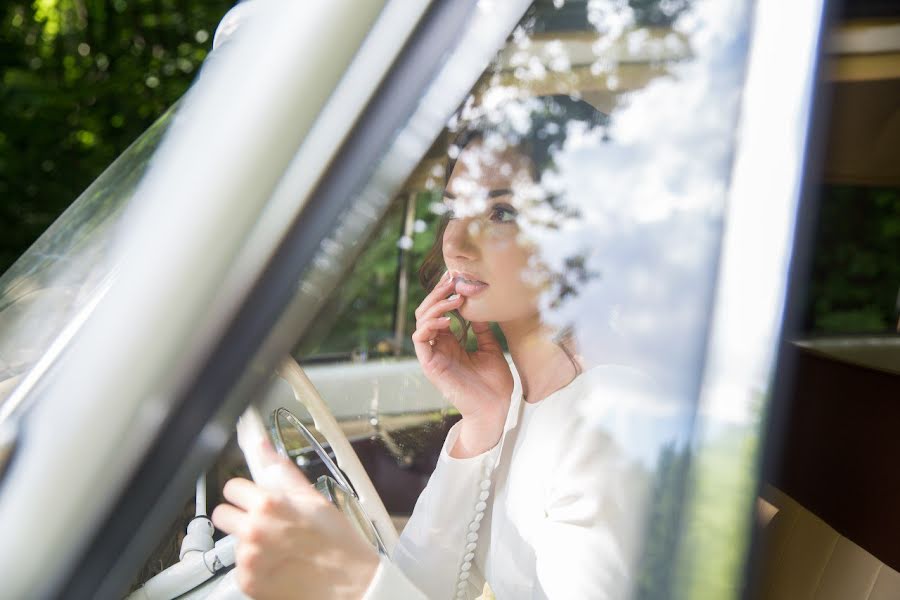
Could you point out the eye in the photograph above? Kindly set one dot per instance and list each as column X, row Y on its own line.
column 503, row 213
column 448, row 201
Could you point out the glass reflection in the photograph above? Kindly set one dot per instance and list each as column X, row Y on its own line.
column 592, row 164
column 67, row 267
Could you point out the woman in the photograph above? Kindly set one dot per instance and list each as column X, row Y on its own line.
column 520, row 503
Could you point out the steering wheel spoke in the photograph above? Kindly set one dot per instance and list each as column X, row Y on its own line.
column 334, row 487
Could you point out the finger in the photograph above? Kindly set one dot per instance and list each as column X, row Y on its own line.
column 439, row 308
column 243, row 493
column 443, row 288
column 229, row 519
column 440, row 291
column 485, row 337
column 427, row 329
column 283, row 474
column 267, row 453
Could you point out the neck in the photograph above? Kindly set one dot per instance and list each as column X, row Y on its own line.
column 542, row 365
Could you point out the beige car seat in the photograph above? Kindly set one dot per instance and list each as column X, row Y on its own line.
column 804, row 558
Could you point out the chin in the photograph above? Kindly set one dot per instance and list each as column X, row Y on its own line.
column 500, row 311
column 473, row 310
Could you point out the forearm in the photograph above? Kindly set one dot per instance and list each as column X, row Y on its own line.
column 434, row 541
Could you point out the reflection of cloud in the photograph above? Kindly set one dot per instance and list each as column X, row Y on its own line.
column 633, row 410
column 650, row 200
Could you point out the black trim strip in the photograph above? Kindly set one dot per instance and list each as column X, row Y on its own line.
column 869, row 9
column 151, row 497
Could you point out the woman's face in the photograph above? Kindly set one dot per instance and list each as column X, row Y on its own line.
column 482, row 245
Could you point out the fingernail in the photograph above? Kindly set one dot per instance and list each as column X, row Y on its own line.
column 453, row 297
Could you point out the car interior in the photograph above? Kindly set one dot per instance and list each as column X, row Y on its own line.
column 827, row 507
column 826, row 510
column 394, row 418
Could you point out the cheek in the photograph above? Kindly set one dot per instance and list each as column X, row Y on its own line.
column 509, row 264
column 508, row 256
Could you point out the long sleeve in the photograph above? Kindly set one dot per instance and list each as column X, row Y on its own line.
column 439, row 540
column 390, row 583
column 435, row 553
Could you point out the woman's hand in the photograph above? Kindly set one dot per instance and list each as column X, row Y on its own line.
column 292, row 543
column 479, row 384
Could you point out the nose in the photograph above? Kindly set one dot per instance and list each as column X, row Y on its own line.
column 460, row 239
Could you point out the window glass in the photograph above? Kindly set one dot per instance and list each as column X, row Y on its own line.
column 592, row 158
column 359, row 317
column 372, row 313
column 577, row 191
column 67, row 267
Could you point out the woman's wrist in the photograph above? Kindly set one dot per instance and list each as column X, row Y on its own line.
column 475, row 437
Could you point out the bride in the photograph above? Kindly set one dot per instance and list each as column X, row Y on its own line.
column 525, row 500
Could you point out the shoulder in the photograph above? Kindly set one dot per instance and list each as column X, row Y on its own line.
column 589, row 430
column 603, row 391
column 614, row 409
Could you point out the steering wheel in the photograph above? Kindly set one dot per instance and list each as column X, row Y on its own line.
column 335, row 487
column 203, row 568
column 354, row 495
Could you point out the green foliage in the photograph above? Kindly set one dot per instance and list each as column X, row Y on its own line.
column 79, row 81
column 856, row 271
column 359, row 316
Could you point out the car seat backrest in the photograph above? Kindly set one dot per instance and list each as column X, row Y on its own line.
column 803, row 557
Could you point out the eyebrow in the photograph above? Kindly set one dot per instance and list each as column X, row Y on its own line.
column 491, row 193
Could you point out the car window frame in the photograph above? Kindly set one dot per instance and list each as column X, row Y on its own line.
column 221, row 387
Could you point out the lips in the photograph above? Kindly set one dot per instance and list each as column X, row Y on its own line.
column 466, row 284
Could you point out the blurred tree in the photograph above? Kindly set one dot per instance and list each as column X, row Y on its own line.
column 360, row 317
column 81, row 80
column 856, row 261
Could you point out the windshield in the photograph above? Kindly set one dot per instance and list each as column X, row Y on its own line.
column 623, row 115
column 68, row 266
column 569, row 162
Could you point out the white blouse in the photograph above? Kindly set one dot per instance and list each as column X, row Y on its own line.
column 552, row 511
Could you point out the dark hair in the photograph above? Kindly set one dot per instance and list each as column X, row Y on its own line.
column 549, row 118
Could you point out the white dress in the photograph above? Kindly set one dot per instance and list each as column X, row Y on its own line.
column 552, row 511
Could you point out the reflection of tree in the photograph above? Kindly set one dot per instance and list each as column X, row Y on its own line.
column 698, row 553
column 714, row 538
column 572, row 279
column 656, row 569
